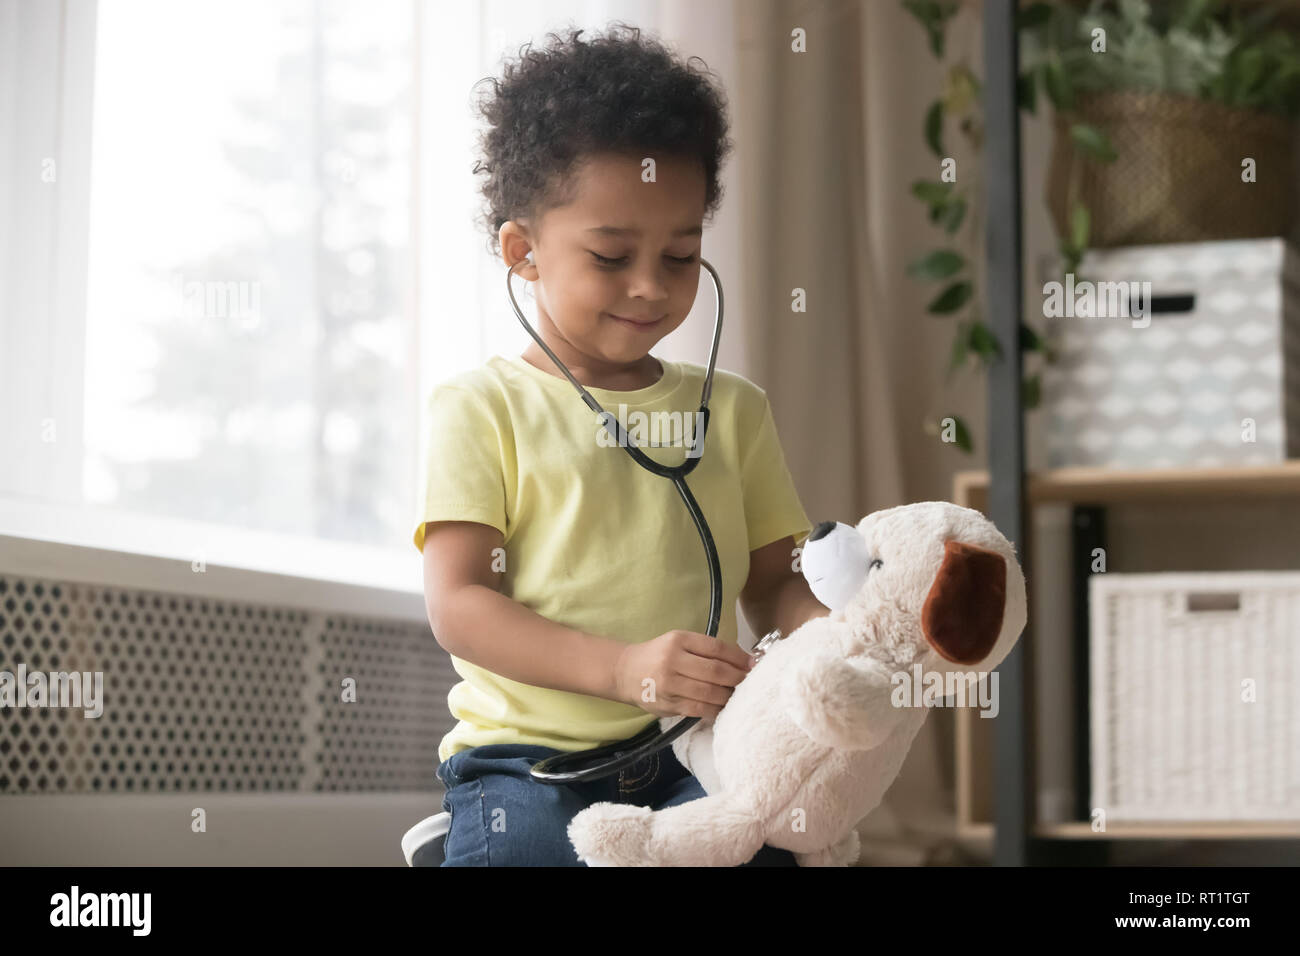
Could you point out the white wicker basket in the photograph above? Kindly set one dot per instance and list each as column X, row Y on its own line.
column 1172, row 736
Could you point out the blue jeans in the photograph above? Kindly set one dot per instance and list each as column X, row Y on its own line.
column 501, row 816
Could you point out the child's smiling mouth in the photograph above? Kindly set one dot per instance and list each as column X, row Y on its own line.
column 638, row 325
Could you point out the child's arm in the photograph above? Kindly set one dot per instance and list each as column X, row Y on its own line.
column 775, row 595
column 473, row 620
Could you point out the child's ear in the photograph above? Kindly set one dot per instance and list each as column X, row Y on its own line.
column 514, row 248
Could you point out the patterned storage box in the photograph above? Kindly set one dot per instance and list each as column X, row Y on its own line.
column 1194, row 713
column 1221, row 345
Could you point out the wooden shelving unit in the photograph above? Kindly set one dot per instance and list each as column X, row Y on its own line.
column 1107, row 486
column 1189, row 830
column 980, row 835
column 1094, row 487
column 1005, row 813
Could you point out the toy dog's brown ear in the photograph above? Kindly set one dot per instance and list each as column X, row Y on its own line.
column 963, row 611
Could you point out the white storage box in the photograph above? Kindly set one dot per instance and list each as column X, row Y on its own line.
column 1173, row 736
column 1224, row 348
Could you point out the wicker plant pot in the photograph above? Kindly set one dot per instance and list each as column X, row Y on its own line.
column 1178, row 177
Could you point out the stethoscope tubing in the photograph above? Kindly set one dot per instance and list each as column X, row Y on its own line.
column 624, row 753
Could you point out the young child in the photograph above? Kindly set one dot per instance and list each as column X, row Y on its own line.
column 568, row 584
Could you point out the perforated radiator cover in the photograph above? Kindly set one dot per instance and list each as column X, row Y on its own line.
column 218, row 695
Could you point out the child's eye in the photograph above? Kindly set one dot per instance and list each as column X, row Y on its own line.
column 602, row 260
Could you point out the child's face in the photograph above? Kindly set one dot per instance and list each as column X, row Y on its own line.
column 580, row 297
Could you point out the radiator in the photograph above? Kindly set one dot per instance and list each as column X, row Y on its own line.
column 235, row 713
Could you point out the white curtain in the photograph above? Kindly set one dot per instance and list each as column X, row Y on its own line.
column 46, row 84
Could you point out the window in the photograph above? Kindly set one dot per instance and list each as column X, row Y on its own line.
column 247, row 323
column 245, row 247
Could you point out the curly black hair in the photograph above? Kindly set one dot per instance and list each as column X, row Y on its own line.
column 616, row 93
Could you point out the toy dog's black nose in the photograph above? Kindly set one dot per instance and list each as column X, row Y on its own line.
column 822, row 530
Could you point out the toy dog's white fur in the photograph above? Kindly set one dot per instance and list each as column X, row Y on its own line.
column 809, row 741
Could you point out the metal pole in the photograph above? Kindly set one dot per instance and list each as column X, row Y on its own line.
column 1013, row 757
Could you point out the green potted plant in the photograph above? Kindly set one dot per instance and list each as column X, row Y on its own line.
column 1190, row 105
column 955, row 205
column 1161, row 112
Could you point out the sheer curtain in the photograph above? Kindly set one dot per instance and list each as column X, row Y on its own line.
column 832, row 141
column 46, row 78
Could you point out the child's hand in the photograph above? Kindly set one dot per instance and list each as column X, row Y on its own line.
column 692, row 674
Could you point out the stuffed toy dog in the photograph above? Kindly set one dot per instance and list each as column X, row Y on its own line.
column 814, row 735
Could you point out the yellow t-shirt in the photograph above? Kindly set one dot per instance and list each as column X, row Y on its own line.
column 592, row 540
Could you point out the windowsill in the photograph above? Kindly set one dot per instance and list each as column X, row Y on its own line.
column 113, row 547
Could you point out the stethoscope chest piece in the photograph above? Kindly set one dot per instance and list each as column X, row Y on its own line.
column 768, row 639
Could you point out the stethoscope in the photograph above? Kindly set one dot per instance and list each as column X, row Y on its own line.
column 591, row 764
